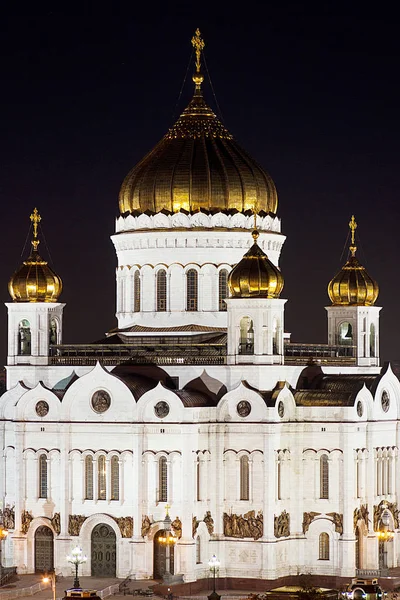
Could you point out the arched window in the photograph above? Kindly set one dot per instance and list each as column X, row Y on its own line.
column 222, row 289
column 345, row 334
column 89, row 478
column 198, row 550
column 115, row 478
column 246, row 343
column 279, row 482
column 191, row 289
column 136, row 291
column 24, row 338
column 162, row 480
column 324, row 546
column 198, row 475
column 324, row 476
column 101, row 478
column 244, row 478
column 161, row 290
column 53, row 332
column 372, row 340
column 42, row 476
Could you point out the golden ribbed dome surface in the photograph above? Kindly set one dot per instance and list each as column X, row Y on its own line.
column 255, row 275
column 197, row 165
column 353, row 286
column 35, row 281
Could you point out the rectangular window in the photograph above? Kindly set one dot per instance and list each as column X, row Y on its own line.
column 88, row 478
column 101, row 478
column 43, row 476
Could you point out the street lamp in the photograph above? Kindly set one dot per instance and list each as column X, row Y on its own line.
column 214, row 563
column 167, row 540
column 3, row 535
column 384, row 534
column 51, row 577
column 77, row 558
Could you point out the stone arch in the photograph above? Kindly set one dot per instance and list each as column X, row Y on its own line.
column 85, row 540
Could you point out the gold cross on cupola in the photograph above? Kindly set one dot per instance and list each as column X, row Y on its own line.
column 353, row 227
column 35, row 219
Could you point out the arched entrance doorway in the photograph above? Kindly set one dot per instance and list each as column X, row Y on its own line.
column 160, row 556
column 44, row 549
column 103, row 551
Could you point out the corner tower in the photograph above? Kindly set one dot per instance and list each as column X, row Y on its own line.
column 35, row 315
column 185, row 215
column 353, row 318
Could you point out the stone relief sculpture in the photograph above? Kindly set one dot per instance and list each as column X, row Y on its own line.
column 379, row 510
column 125, row 525
column 56, row 523
column 361, row 514
column 308, row 518
column 282, row 525
column 241, row 526
column 176, row 526
column 146, row 526
column 75, row 523
column 195, row 524
column 209, row 521
column 7, row 517
column 337, row 521
column 26, row 519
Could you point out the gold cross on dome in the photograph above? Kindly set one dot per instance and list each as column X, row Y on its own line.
column 35, row 219
column 198, row 44
column 353, row 227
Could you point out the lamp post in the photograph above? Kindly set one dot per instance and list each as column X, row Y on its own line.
column 214, row 563
column 3, row 535
column 167, row 540
column 77, row 558
column 384, row 534
column 52, row 578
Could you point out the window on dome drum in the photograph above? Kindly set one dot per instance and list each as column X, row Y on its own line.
column 324, row 476
column 372, row 340
column 198, row 550
column 42, row 476
column 222, row 289
column 246, row 343
column 345, row 334
column 191, row 289
column 101, row 478
column 24, row 338
column 115, row 478
column 324, row 546
column 162, row 480
column 136, row 291
column 244, row 478
column 89, row 478
column 53, row 332
column 161, row 290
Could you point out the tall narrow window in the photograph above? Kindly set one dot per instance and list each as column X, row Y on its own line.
column 324, row 546
column 115, row 478
column 372, row 340
column 222, row 289
column 101, row 478
column 191, row 289
column 279, row 475
column 136, row 291
column 198, row 475
column 42, row 476
column 244, row 478
column 358, row 478
column 162, row 480
column 24, row 338
column 161, row 290
column 324, row 476
column 53, row 332
column 198, row 550
column 89, row 478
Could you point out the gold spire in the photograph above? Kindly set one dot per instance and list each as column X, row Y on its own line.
column 35, row 219
column 198, row 45
column 353, row 227
column 353, row 286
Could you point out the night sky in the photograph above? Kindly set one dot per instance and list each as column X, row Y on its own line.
column 313, row 97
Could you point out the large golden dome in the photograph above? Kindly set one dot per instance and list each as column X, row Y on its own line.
column 255, row 275
column 353, row 286
column 197, row 165
column 35, row 281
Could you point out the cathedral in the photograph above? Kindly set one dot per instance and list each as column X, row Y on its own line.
column 197, row 427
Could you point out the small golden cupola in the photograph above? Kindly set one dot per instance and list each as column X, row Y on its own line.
column 197, row 166
column 35, row 281
column 255, row 275
column 353, row 286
